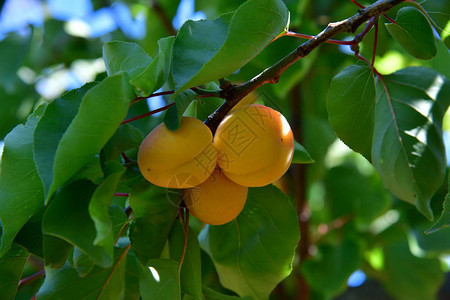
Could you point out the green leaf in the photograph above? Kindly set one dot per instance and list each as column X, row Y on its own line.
column 125, row 57
column 11, row 268
column 100, row 203
column 100, row 283
column 251, row 261
column 414, row 33
column 191, row 271
column 301, row 156
column 328, row 271
column 157, row 72
column 351, row 107
column 208, row 50
column 125, row 138
column 444, row 220
column 56, row 251
column 50, row 130
column 160, row 280
column 21, row 192
column 15, row 48
column 211, row 294
column 81, row 262
column 408, row 151
column 172, row 117
column 30, row 236
column 133, row 273
column 351, row 193
column 91, row 128
column 409, row 277
column 155, row 209
column 68, row 215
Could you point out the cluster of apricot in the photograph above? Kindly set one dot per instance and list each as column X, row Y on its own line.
column 253, row 146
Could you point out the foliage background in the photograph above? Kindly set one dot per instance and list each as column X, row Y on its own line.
column 358, row 232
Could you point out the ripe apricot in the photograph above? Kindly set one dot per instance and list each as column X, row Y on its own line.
column 178, row 159
column 216, row 201
column 255, row 145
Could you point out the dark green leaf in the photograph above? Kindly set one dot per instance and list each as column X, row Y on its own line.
column 408, row 151
column 211, row 294
column 11, row 268
column 444, row 220
column 102, row 110
column 68, row 215
column 100, row 203
column 155, row 209
column 328, row 272
column 172, row 117
column 414, row 32
column 50, row 130
column 301, row 156
column 125, row 138
column 410, row 277
column 351, row 107
column 351, row 193
column 81, row 262
column 21, row 191
column 160, row 280
column 157, row 72
column 14, row 52
column 30, row 236
column 125, row 57
column 191, row 270
column 260, row 244
column 208, row 50
column 132, row 276
column 56, row 251
column 100, row 283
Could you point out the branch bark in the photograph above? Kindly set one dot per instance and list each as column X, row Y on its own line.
column 234, row 93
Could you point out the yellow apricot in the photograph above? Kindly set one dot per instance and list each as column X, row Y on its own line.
column 216, row 201
column 178, row 159
column 255, row 145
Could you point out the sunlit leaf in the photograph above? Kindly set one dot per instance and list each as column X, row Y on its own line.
column 92, row 127
column 157, row 72
column 21, row 191
column 351, row 107
column 208, row 50
column 301, row 156
column 408, row 150
column 251, row 261
column 125, row 57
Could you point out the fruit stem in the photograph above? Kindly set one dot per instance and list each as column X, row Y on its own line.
column 186, row 237
column 150, row 96
column 152, row 112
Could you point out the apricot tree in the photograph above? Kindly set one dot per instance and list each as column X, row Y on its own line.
column 221, row 199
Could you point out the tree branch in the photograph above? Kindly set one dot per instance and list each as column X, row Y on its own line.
column 234, row 93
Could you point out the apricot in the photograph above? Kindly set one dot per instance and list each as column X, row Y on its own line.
column 178, row 159
column 216, row 201
column 255, row 145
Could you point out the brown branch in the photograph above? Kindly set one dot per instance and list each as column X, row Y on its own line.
column 163, row 17
column 234, row 93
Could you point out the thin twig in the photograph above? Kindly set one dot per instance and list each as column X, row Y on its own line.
column 234, row 93
column 186, row 237
column 148, row 113
column 121, row 195
column 163, row 17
